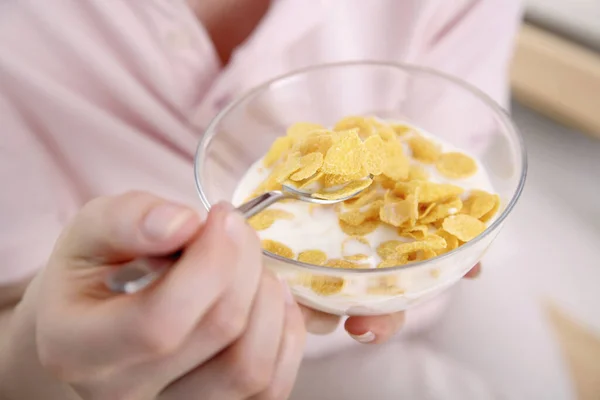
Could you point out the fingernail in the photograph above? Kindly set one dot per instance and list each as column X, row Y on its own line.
column 235, row 225
column 164, row 220
column 367, row 337
column 289, row 297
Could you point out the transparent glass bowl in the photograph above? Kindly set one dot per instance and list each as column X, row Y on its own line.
column 444, row 106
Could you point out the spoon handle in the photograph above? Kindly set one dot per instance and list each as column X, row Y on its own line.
column 139, row 273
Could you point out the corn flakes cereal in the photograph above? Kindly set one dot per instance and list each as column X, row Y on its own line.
column 291, row 165
column 384, row 285
column 356, row 217
column 425, row 209
column 309, row 165
column 417, row 172
column 363, row 229
column 431, row 242
column 385, row 182
column 418, row 232
column 300, row 129
column 278, row 150
column 277, row 248
column 430, row 192
column 365, row 128
column 435, row 273
column 345, row 156
column 346, row 191
column 464, row 227
column 396, row 164
column 480, row 203
column 490, row 214
column 316, row 142
column 424, row 150
column 442, row 210
column 384, row 130
column 367, row 196
column 266, row 218
column 327, row 285
column 451, row 241
column 388, row 249
column 394, row 261
column 456, row 165
column 401, row 129
column 315, row 257
column 425, row 254
column 400, row 212
column 339, row 263
column 373, row 159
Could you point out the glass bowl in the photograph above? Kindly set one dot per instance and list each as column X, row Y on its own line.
column 442, row 105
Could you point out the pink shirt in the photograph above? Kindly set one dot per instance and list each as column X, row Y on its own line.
column 101, row 97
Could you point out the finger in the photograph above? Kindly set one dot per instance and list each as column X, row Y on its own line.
column 290, row 355
column 474, row 272
column 115, row 229
column 224, row 322
column 319, row 323
column 246, row 367
column 376, row 329
column 131, row 328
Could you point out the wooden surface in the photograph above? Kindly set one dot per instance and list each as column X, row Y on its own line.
column 557, row 78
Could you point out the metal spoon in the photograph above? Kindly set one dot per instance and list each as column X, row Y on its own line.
column 137, row 274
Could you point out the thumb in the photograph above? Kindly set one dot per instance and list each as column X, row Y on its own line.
column 120, row 228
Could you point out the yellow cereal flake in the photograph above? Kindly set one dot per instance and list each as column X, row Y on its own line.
column 367, row 196
column 490, row 214
column 425, row 210
column 299, row 129
column 278, row 150
column 326, row 285
column 435, row 273
column 394, row 261
column 345, row 156
column 356, row 257
column 418, row 232
column 355, row 217
column 456, row 165
column 266, row 218
column 309, row 165
column 309, row 181
column 424, row 150
column 363, row 229
column 383, row 129
column 396, row 164
column 364, row 126
column 385, row 182
column 425, row 254
column 464, row 227
column 277, row 248
column 316, row 142
column 479, row 204
column 417, row 172
column 315, row 257
column 429, row 242
column 339, row 263
column 430, row 192
column 451, row 241
column 384, row 285
column 373, row 159
column 442, row 210
column 401, row 129
column 388, row 249
column 397, row 213
column 291, row 165
column 346, row 191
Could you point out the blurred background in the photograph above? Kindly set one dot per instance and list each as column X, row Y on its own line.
column 556, row 87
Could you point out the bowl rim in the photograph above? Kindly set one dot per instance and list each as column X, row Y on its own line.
column 500, row 112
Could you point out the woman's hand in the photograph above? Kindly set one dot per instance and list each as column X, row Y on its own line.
column 216, row 326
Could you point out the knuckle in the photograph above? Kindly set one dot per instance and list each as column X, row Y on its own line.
column 229, row 322
column 155, row 335
column 252, row 375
